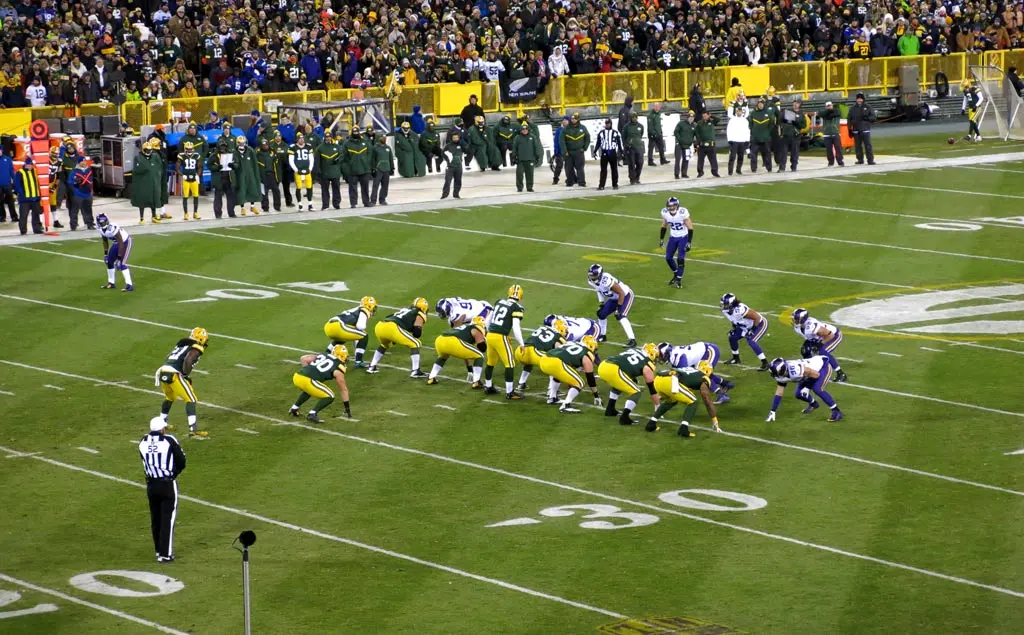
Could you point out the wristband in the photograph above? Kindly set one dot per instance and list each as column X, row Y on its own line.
column 662, row 233
column 591, row 381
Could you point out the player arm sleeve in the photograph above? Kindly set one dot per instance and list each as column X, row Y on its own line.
column 663, row 230
column 689, row 234
column 517, row 331
column 592, row 381
column 776, row 402
column 650, row 387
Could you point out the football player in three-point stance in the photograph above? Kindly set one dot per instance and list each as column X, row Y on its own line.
column 613, row 296
column 350, row 326
column 820, row 338
column 504, row 323
column 621, row 372
column 116, row 256
column 403, row 327
column 540, row 342
column 682, row 385
column 690, row 356
column 576, row 328
column 173, row 377
column 676, row 221
column 810, row 375
column 563, row 365
column 458, row 311
column 317, row 369
column 747, row 324
column 466, row 342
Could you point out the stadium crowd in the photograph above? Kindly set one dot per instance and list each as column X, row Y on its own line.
column 59, row 52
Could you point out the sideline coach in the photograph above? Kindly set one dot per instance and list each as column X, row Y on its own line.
column 163, row 460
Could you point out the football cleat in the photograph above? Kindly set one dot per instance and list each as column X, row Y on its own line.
column 198, row 434
column 841, row 376
column 109, row 285
column 312, row 418
column 417, row 374
column 553, row 400
column 595, row 272
column 735, row 360
column 490, row 390
column 513, row 395
column 128, row 288
column 764, row 365
column 811, row 407
column 602, row 338
column 431, row 381
column 196, row 216
column 372, row 370
column 567, row 409
column 652, row 425
column 294, row 412
column 626, row 420
column 610, row 411
column 722, row 398
column 155, row 219
column 165, row 559
column 684, row 431
column 360, row 364
column 836, row 415
column 630, row 342
column 476, row 385
column 522, row 387
column 675, row 282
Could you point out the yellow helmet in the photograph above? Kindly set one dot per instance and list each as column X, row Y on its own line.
column 340, row 352
column 421, row 304
column 965, row 84
column 199, row 335
column 369, row 303
column 189, row 145
column 590, row 342
column 515, row 292
column 560, row 326
column 705, row 367
column 481, row 322
column 651, row 351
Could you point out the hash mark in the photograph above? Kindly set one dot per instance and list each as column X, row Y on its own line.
column 889, row 354
column 247, row 430
column 710, row 315
column 396, row 413
column 668, row 319
column 7, row 392
column 201, row 372
column 291, row 361
column 333, row 220
column 430, row 211
column 300, row 222
column 850, row 359
column 90, row 450
column 441, row 405
column 232, row 229
column 1020, row 451
column 347, row 418
column 495, row 402
column 934, row 350
column 53, row 387
column 245, row 366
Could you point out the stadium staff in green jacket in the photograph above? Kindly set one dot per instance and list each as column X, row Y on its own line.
column 830, row 134
column 575, row 140
column 358, row 164
column 430, row 147
column 270, row 175
column 793, row 123
column 245, row 176
column 383, row 169
column 328, row 169
column 633, row 139
column 705, row 134
column 655, row 137
column 504, row 135
column 526, row 154
column 761, row 124
column 684, row 134
column 407, row 147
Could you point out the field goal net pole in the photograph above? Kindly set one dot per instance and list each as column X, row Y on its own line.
column 1001, row 114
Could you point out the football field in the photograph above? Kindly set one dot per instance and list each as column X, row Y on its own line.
column 439, row 509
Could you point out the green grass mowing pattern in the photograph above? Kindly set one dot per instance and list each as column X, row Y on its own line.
column 438, row 511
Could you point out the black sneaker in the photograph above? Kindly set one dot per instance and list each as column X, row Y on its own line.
column 841, row 376
column 513, row 395
column 652, row 425
column 312, row 418
column 764, row 365
column 626, row 420
column 490, row 390
column 610, row 411
column 294, row 412
column 602, row 338
column 684, row 431
column 735, row 360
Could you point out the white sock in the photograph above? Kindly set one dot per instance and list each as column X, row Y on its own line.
column 415, row 361
column 377, row 356
column 630, row 405
column 628, row 328
column 761, row 357
column 571, row 395
column 477, row 371
column 508, row 387
column 164, row 417
column 110, row 276
column 523, row 377
column 603, row 325
column 126, row 274
column 736, row 353
column 552, row 388
column 435, row 370
column 487, row 382
column 192, row 421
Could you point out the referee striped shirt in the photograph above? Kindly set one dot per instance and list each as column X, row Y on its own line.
column 162, row 456
column 609, row 140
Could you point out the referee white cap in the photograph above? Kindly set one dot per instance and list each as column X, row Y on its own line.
column 156, row 424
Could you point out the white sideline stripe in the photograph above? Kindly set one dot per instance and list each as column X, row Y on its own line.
column 668, row 319
column 764, row 232
column 889, row 354
column 246, row 366
column 1015, row 452
column 431, row 211
column 988, row 169
column 515, row 475
column 304, row 530
column 301, row 222
column 934, row 350
column 89, row 450
column 862, row 387
column 92, row 605
column 850, row 359
column 929, row 189
column 441, row 405
column 247, row 430
column 631, row 251
column 396, row 413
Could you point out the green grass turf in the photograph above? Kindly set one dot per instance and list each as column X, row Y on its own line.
column 843, row 546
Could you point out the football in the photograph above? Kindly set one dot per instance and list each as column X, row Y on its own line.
column 951, row 141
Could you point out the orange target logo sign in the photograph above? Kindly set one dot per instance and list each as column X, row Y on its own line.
column 39, row 130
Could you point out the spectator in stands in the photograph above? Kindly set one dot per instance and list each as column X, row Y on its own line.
column 36, row 93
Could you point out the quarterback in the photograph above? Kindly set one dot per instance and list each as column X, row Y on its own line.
column 350, row 326
column 403, row 327
column 173, row 377
column 503, row 324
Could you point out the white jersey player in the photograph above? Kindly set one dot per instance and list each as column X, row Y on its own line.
column 820, row 338
column 115, row 255
column 810, row 375
column 577, row 328
column 614, row 297
column 460, row 311
column 747, row 324
column 689, row 356
column 675, row 220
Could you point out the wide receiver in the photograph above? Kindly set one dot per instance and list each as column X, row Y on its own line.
column 621, row 372
column 536, row 346
column 676, row 221
column 173, row 377
column 403, row 327
column 563, row 366
column 466, row 342
column 317, row 369
column 350, row 326
column 682, row 385
column 116, row 257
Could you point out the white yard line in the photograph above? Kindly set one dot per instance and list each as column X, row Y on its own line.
column 495, row 402
column 1015, row 452
column 931, row 189
column 246, row 366
column 334, row 220
column 247, row 431
column 445, row 407
column 89, row 450
column 889, row 354
column 201, row 372
column 232, row 229
column 668, row 319
column 92, row 605
column 562, row 243
column 850, row 359
column 396, row 413
column 522, row 477
column 291, row 361
column 317, row 534
column 934, row 350
column 988, row 169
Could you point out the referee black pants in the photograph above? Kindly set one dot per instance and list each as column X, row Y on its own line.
column 609, row 160
column 163, row 507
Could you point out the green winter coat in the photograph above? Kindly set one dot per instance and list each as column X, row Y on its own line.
column 267, row 163
column 454, row 150
column 575, row 138
column 829, row 122
column 633, row 136
column 684, row 132
column 504, row 134
column 527, row 148
column 762, row 123
column 221, row 179
column 406, row 148
column 793, row 128
column 245, row 176
column 383, row 158
column 430, row 142
column 280, row 151
column 534, row 130
column 357, row 156
column 198, row 143
column 162, row 161
column 145, row 181
column 479, row 145
column 774, row 109
column 654, row 124
column 705, row 132
column 328, row 161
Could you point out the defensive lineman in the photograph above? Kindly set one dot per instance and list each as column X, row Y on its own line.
column 810, row 375
column 690, row 356
column 115, row 256
column 613, row 296
column 163, row 460
column 459, row 311
column 676, row 221
column 747, row 324
column 820, row 338
column 576, row 328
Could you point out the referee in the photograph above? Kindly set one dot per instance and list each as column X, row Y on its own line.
column 609, row 145
column 163, row 460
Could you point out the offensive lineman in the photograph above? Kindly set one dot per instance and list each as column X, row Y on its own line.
column 747, row 324
column 676, row 221
column 810, row 375
column 621, row 372
column 116, row 257
column 540, row 342
column 404, row 327
column 820, row 338
column 681, row 385
column 350, row 326
column 467, row 342
column 613, row 296
column 563, row 365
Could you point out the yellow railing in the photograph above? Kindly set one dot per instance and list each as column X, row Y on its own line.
column 603, row 90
